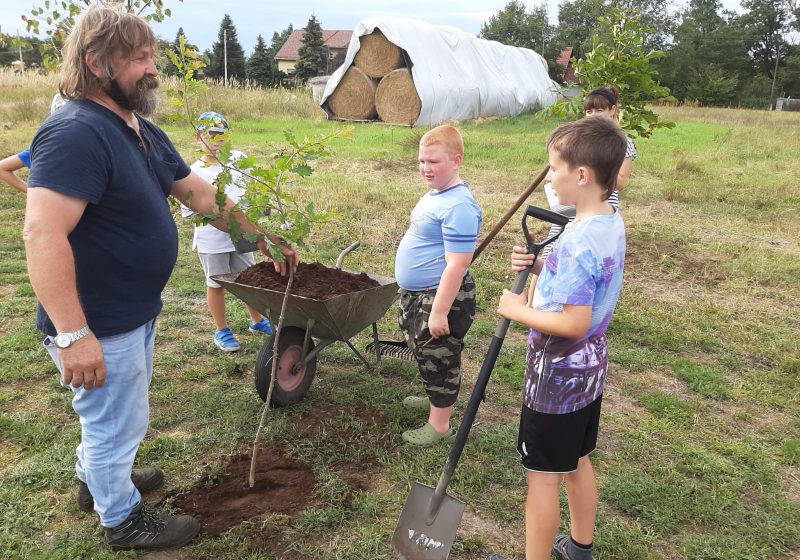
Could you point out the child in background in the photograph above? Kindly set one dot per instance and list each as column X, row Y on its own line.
column 14, row 163
column 601, row 101
column 11, row 164
column 437, row 292
column 215, row 248
column 577, row 287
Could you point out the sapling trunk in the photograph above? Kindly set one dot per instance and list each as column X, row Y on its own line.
column 271, row 379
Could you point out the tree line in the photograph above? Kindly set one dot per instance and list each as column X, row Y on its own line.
column 227, row 57
column 704, row 53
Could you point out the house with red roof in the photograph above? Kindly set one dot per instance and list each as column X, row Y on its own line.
column 337, row 41
column 563, row 60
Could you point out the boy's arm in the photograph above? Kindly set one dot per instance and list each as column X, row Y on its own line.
column 572, row 322
column 446, row 293
column 7, row 168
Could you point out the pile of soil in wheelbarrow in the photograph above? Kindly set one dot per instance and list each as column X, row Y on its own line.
column 311, row 280
column 283, row 485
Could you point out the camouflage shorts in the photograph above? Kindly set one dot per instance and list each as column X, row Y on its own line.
column 439, row 361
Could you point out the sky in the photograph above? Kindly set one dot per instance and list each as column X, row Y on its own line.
column 200, row 19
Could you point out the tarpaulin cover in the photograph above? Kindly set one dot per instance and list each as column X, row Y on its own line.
column 457, row 75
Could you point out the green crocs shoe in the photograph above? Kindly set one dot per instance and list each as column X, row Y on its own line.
column 427, row 436
column 417, row 403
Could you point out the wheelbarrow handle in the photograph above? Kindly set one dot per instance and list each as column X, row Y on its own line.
column 343, row 254
column 495, row 345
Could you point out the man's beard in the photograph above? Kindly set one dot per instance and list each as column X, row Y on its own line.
column 142, row 99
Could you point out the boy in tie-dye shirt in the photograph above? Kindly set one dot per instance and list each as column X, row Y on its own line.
column 576, row 291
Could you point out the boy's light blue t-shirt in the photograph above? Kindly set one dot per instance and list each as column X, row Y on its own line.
column 441, row 221
column 563, row 375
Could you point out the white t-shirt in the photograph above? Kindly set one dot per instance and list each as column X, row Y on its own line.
column 208, row 239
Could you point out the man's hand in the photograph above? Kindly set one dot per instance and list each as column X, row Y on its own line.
column 290, row 256
column 82, row 363
column 438, row 325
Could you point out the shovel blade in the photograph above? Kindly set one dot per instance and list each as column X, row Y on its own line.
column 422, row 534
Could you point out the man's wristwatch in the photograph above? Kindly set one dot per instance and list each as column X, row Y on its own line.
column 66, row 339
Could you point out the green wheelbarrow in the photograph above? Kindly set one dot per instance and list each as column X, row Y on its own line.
column 310, row 326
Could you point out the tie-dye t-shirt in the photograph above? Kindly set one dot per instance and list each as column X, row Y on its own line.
column 563, row 375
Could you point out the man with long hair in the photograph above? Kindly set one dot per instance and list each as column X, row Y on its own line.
column 101, row 244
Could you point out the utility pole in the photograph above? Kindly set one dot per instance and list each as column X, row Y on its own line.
column 225, row 52
column 775, row 73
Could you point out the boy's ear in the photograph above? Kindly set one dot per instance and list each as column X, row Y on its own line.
column 585, row 175
column 458, row 158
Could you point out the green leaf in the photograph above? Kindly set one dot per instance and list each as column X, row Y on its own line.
column 303, row 170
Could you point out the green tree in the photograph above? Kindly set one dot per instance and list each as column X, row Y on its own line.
column 278, row 40
column 30, row 47
column 577, row 20
column 708, row 57
column 227, row 53
column 57, row 18
column 513, row 25
column 711, row 85
column 313, row 54
column 619, row 57
column 259, row 65
column 168, row 68
column 654, row 15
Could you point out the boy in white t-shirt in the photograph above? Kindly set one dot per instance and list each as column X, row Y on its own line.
column 214, row 247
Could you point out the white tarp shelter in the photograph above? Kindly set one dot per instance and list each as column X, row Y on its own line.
column 457, row 75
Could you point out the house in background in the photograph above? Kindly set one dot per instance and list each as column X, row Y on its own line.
column 568, row 73
column 336, row 40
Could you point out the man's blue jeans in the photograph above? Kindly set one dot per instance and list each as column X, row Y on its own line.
column 114, row 421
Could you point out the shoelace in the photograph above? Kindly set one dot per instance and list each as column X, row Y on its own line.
column 152, row 522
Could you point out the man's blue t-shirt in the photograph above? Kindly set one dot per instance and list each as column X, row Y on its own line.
column 441, row 221
column 126, row 242
column 25, row 156
column 563, row 375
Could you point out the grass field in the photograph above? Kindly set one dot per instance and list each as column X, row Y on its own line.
column 699, row 453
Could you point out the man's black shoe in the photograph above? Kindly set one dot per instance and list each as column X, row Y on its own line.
column 145, row 480
column 144, row 529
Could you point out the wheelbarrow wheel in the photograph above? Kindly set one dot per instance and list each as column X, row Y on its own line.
column 290, row 386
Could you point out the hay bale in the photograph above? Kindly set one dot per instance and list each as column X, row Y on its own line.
column 354, row 97
column 396, row 99
column 377, row 56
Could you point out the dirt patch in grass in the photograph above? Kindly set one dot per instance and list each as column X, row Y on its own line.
column 476, row 525
column 403, row 165
column 312, row 422
column 791, row 478
column 283, row 486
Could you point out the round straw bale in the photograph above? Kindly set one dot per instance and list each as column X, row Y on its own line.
column 396, row 99
column 354, row 97
column 377, row 56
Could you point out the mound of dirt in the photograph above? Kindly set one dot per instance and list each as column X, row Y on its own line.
column 311, row 280
column 283, row 485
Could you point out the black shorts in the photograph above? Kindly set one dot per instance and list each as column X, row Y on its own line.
column 554, row 442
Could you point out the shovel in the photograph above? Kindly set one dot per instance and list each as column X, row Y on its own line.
column 429, row 520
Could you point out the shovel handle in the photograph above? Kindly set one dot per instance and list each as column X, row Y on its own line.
column 495, row 345
column 507, row 216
